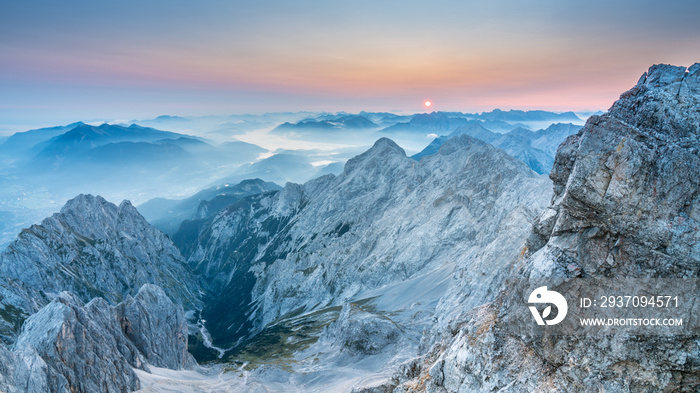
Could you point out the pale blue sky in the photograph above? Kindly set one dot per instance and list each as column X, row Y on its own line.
column 73, row 60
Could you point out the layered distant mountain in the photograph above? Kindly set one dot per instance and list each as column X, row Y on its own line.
column 222, row 128
column 536, row 149
column 428, row 123
column 108, row 156
column 345, row 122
column 167, row 214
column 444, row 123
column 84, row 137
column 385, row 119
column 527, row 116
column 19, row 144
column 278, row 168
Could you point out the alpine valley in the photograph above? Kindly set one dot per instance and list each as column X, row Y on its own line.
column 374, row 271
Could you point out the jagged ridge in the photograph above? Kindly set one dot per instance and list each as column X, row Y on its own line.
column 92, row 248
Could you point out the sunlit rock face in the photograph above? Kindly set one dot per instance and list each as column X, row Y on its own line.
column 625, row 205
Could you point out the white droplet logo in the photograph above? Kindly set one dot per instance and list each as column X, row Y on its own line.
column 542, row 295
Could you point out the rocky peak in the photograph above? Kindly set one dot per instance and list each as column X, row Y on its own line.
column 84, row 202
column 82, row 346
column 476, row 130
column 461, row 143
column 289, row 200
column 91, row 248
column 627, row 191
column 664, row 104
column 94, row 217
column 157, row 327
column 633, row 176
column 68, row 346
column 384, row 152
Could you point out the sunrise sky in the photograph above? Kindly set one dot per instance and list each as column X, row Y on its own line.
column 69, row 60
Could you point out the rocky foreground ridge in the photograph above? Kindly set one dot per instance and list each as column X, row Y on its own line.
column 626, row 204
column 92, row 248
column 97, row 253
column 68, row 346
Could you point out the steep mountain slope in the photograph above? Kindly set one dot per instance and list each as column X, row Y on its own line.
column 627, row 191
column 168, row 214
column 91, row 248
column 385, row 219
column 70, row 347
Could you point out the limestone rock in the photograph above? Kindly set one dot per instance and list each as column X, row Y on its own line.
column 157, row 327
column 82, row 346
column 626, row 197
column 92, row 248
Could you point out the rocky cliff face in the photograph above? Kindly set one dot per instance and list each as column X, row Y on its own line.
column 92, row 248
column 157, row 327
column 23, row 370
column 626, row 189
column 82, row 346
column 626, row 198
column 70, row 347
column 385, row 219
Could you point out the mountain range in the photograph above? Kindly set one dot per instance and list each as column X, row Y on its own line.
column 536, row 149
column 314, row 247
column 335, row 123
column 398, row 274
column 167, row 214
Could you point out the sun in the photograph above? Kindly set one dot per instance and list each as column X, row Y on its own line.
column 428, row 104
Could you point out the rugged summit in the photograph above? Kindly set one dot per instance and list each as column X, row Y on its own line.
column 92, row 248
column 625, row 205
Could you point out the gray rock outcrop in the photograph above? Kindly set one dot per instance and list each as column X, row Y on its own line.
column 70, row 347
column 82, row 346
column 92, row 248
column 626, row 198
column 23, row 370
column 157, row 327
